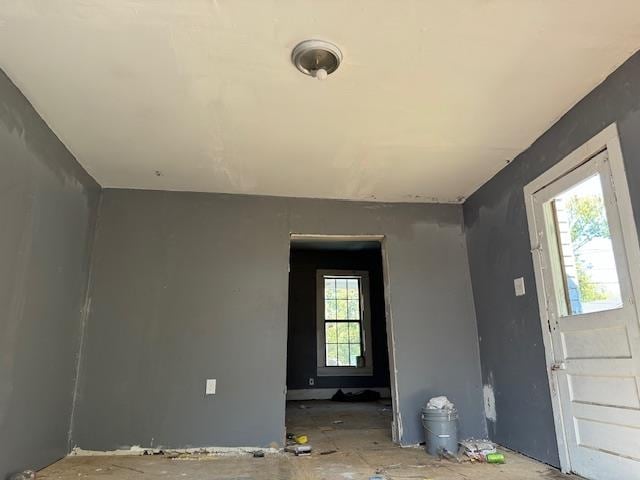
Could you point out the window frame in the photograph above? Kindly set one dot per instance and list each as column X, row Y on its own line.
column 597, row 165
column 365, row 326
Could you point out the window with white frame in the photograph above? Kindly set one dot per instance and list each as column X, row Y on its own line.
column 344, row 323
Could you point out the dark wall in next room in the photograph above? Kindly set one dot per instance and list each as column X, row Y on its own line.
column 301, row 340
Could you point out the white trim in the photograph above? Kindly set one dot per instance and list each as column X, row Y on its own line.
column 607, row 140
column 327, row 393
column 365, row 325
column 396, row 427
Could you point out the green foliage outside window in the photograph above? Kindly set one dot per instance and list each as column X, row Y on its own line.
column 588, row 220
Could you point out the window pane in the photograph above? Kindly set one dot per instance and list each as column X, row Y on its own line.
column 330, row 333
column 341, row 306
column 341, row 288
column 330, row 309
column 354, row 332
column 353, row 291
column 588, row 264
column 343, row 332
column 332, row 355
column 353, row 310
column 329, row 288
column 343, row 355
column 354, row 354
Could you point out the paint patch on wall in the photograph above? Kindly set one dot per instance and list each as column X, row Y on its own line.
column 489, row 403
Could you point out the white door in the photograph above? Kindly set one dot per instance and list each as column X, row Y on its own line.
column 592, row 319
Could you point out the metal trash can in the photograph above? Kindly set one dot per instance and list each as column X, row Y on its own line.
column 440, row 430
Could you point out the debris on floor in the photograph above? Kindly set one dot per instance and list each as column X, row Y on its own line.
column 298, row 444
column 495, row 458
column 481, row 450
column 444, row 453
column 153, row 452
column 177, row 453
column 299, row 439
column 299, row 450
column 361, row 396
column 213, row 453
column 24, row 475
column 328, row 452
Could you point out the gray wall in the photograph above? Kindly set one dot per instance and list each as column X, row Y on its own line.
column 302, row 333
column 47, row 211
column 511, row 345
column 189, row 286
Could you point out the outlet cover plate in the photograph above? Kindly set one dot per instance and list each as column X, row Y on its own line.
column 211, row 386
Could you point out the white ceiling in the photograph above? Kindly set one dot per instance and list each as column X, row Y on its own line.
column 432, row 99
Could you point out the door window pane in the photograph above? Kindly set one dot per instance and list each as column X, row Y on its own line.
column 586, row 253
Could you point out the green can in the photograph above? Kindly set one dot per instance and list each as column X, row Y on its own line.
column 495, row 458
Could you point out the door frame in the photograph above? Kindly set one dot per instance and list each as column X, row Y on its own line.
column 396, row 425
column 608, row 140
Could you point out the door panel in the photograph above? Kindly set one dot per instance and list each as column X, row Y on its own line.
column 592, row 319
column 599, row 390
column 611, row 342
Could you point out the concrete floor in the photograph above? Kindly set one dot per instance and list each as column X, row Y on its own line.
column 360, row 441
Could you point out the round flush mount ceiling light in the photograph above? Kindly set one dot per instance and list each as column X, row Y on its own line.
column 316, row 58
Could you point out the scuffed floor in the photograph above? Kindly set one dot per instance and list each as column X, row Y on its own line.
column 350, row 442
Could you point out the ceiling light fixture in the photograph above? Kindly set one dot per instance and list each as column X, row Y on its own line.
column 316, row 58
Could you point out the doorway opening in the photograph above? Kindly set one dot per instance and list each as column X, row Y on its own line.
column 339, row 344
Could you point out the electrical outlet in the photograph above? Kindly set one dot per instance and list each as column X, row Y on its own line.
column 211, row 386
column 312, row 381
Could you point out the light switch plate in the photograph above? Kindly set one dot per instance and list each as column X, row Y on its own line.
column 211, row 386
column 518, row 285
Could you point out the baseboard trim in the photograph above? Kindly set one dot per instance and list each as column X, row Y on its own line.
column 327, row 393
